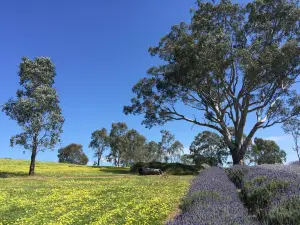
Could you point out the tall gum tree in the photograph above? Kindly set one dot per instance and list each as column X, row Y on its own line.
column 36, row 108
column 231, row 62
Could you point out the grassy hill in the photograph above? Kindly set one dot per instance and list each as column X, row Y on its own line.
column 70, row 194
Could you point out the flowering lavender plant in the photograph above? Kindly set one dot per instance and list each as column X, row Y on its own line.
column 272, row 192
column 213, row 200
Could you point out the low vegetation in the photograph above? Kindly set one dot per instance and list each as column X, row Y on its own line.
column 168, row 168
column 68, row 194
column 212, row 199
column 270, row 192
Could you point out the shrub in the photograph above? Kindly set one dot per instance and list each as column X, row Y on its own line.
column 272, row 193
column 287, row 212
column 236, row 175
column 212, row 199
column 169, row 168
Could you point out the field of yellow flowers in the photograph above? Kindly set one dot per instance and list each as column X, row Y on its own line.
column 67, row 194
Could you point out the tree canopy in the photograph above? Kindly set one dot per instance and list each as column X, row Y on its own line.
column 99, row 142
column 73, row 154
column 170, row 148
column 293, row 127
column 117, row 142
column 211, row 146
column 36, row 108
column 232, row 61
column 265, row 152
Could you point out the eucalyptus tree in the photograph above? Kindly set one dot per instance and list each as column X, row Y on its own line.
column 134, row 148
column 266, row 152
column 293, row 127
column 72, row 154
column 232, row 62
column 36, row 108
column 117, row 141
column 170, row 148
column 210, row 145
column 99, row 142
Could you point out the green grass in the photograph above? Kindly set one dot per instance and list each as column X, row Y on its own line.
column 67, row 194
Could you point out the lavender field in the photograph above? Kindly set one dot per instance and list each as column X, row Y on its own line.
column 265, row 194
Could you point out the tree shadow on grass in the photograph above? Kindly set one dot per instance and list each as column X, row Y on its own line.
column 113, row 170
column 12, row 174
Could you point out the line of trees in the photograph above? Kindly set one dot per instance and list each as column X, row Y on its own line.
column 210, row 148
column 230, row 63
column 127, row 146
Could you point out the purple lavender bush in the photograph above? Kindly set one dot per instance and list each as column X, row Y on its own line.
column 272, row 193
column 212, row 200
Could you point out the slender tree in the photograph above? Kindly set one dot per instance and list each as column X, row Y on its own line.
column 153, row 152
column 117, row 142
column 175, row 151
column 167, row 139
column 36, row 108
column 169, row 147
column 293, row 127
column 230, row 63
column 135, row 148
column 99, row 142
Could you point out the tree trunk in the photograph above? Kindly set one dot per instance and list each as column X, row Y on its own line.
column 98, row 157
column 237, row 155
column 32, row 163
column 118, row 160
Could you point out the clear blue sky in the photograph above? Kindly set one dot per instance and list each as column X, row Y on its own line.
column 100, row 50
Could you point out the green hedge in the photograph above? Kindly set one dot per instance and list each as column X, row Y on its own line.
column 169, row 168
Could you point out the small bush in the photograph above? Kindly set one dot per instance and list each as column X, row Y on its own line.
column 258, row 194
column 169, row 168
column 236, row 175
column 271, row 192
column 287, row 212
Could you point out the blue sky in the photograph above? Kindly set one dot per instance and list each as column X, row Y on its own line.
column 100, row 50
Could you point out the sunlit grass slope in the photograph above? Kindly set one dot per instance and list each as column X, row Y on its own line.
column 64, row 194
column 11, row 168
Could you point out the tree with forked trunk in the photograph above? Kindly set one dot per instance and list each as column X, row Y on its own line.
column 230, row 63
column 36, row 108
column 99, row 142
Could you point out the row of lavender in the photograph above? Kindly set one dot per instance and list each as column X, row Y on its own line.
column 212, row 200
column 272, row 193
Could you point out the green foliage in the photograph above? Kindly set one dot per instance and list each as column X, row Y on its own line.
column 153, row 151
column 258, row 198
column 117, row 142
column 36, row 108
column 169, row 168
column 99, row 142
column 265, row 152
column 210, row 148
column 171, row 149
column 236, row 175
column 287, row 212
column 134, row 148
column 231, row 62
column 292, row 127
column 72, row 154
